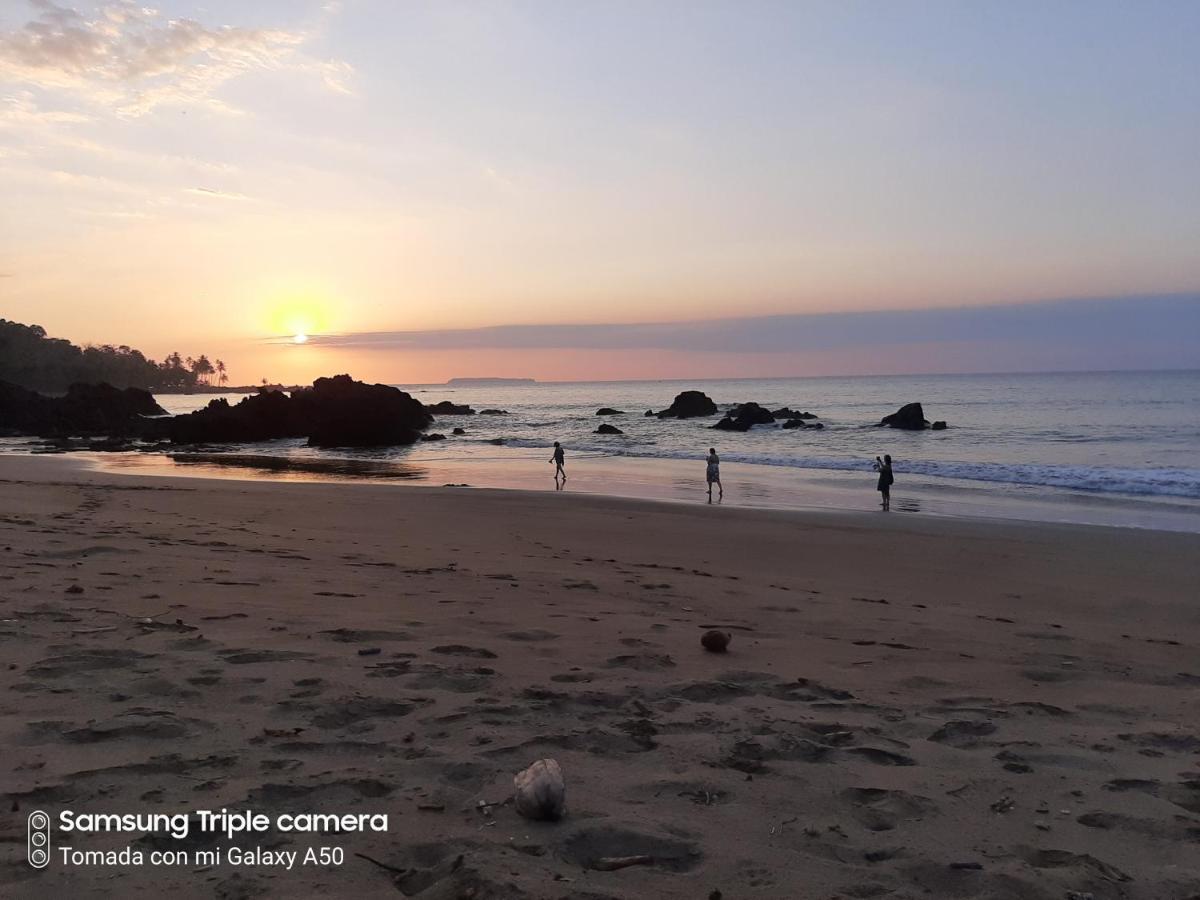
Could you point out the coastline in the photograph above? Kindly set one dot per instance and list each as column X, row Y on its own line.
column 677, row 481
column 348, row 648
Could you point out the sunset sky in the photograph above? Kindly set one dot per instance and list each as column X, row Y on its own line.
column 395, row 178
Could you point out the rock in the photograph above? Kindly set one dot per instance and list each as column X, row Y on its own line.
column 715, row 641
column 334, row 412
column 940, row 425
column 648, row 413
column 785, row 413
column 493, row 412
column 497, row 441
column 800, row 423
column 743, row 417
column 689, row 405
column 433, row 437
column 540, row 791
column 609, row 411
column 459, row 431
column 446, row 408
column 910, row 417
column 605, row 428
column 85, row 410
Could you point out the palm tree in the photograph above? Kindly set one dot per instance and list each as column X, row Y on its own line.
column 222, row 378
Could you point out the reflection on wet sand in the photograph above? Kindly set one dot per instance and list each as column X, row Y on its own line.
column 218, row 463
column 335, row 468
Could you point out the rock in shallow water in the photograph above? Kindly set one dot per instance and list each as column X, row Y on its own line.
column 688, row 405
column 910, row 417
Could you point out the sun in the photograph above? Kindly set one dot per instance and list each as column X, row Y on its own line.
column 300, row 338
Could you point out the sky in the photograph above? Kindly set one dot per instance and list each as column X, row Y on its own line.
column 608, row 189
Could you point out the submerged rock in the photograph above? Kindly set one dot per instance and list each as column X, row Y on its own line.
column 786, row 413
column 689, row 405
column 493, row 412
column 909, row 417
column 801, row 423
column 940, row 425
column 605, row 428
column 433, row 437
column 609, row 411
column 459, row 431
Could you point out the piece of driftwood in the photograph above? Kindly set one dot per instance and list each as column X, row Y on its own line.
column 612, row 863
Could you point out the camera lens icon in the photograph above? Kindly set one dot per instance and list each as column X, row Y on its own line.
column 38, row 850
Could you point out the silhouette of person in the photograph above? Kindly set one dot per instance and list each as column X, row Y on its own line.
column 886, row 479
column 558, row 459
column 713, row 474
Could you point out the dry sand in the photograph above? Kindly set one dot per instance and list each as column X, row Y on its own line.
column 910, row 707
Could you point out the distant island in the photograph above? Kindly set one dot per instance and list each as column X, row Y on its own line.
column 491, row 381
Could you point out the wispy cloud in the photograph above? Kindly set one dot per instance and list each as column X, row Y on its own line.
column 1098, row 323
column 215, row 194
column 128, row 58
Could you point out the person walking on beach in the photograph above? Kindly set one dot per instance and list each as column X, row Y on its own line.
column 558, row 459
column 886, row 479
column 713, row 474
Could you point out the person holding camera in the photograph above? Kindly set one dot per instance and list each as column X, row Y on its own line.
column 886, row 479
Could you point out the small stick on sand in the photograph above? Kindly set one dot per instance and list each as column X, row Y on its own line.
column 612, row 863
column 398, row 870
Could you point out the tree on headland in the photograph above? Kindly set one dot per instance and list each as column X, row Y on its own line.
column 222, row 378
column 32, row 359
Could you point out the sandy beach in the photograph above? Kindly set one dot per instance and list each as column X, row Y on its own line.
column 911, row 706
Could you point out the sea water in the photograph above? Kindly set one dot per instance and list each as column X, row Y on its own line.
column 1115, row 436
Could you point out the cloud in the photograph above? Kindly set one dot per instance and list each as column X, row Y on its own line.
column 215, row 194
column 128, row 58
column 1100, row 325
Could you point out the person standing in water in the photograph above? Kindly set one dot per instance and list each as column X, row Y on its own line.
column 713, row 474
column 558, row 459
column 886, row 479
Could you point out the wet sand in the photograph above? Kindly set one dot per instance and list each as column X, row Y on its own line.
column 681, row 481
column 911, row 706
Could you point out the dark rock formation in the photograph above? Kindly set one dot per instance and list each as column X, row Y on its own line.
column 648, row 413
column 433, row 437
column 261, row 417
column 459, row 431
column 446, row 408
column 689, row 405
column 493, row 412
column 334, row 412
column 801, row 423
column 910, row 417
column 744, row 416
column 940, row 425
column 609, row 411
column 86, row 409
column 605, row 428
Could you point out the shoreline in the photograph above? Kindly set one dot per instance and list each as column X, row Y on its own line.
column 748, row 485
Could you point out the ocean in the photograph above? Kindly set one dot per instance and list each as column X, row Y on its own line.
column 1131, row 439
